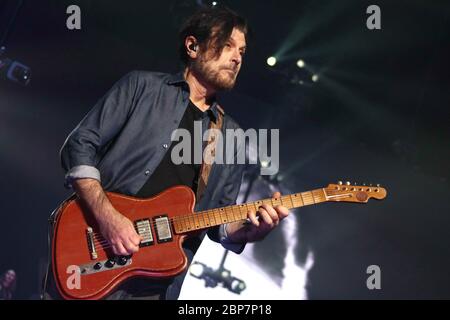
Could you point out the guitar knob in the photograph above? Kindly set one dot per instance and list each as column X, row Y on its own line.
column 347, row 183
column 339, row 182
column 378, row 185
column 98, row 266
column 122, row 260
column 110, row 263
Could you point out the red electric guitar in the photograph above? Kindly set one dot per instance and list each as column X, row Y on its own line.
column 85, row 267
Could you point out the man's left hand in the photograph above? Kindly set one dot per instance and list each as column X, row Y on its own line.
column 269, row 218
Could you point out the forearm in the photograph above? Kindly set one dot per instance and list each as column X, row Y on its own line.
column 117, row 229
column 94, row 198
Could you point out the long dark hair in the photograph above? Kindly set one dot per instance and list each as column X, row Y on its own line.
column 211, row 26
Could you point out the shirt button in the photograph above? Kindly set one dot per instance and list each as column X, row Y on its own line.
column 165, row 146
column 147, row 172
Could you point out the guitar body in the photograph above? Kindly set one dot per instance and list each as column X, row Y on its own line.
column 84, row 265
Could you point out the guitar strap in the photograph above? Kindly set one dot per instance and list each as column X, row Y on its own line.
column 209, row 152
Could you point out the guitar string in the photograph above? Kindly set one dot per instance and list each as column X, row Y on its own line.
column 207, row 214
column 186, row 218
column 100, row 240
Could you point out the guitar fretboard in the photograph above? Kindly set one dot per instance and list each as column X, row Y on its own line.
column 214, row 217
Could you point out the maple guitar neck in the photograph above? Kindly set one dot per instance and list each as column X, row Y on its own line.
column 334, row 192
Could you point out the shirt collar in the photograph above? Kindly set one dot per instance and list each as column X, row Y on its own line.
column 178, row 78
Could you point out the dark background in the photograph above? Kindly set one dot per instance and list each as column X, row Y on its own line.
column 378, row 114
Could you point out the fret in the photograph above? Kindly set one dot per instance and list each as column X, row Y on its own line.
column 198, row 224
column 178, row 224
column 181, row 224
column 217, row 216
column 305, row 198
column 251, row 207
column 308, row 198
column 243, row 209
column 222, row 218
column 288, row 202
column 177, row 228
column 224, row 214
column 240, row 215
column 242, row 212
column 318, row 196
column 187, row 221
column 295, row 200
column 211, row 218
column 229, row 214
column 208, row 218
column 283, row 202
column 206, row 223
column 235, row 218
column 300, row 198
column 292, row 201
column 192, row 221
column 276, row 202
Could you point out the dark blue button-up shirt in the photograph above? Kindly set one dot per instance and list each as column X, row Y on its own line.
column 121, row 141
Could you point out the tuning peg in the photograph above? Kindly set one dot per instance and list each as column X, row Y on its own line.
column 339, row 182
column 347, row 183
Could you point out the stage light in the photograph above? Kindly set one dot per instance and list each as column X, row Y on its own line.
column 225, row 274
column 14, row 70
column 300, row 63
column 197, row 269
column 214, row 277
column 315, row 78
column 271, row 61
column 237, row 286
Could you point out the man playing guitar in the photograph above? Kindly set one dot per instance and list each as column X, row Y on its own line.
column 124, row 145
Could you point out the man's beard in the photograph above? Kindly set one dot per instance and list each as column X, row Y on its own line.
column 214, row 77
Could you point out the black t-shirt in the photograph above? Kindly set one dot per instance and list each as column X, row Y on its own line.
column 168, row 174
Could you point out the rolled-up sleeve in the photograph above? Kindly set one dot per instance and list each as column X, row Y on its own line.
column 83, row 148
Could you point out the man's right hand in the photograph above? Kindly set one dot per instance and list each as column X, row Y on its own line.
column 119, row 231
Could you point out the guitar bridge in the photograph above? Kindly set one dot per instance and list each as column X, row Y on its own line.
column 91, row 244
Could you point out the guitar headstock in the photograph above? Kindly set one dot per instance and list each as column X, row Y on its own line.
column 347, row 192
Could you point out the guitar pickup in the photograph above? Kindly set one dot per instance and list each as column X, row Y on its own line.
column 144, row 229
column 163, row 229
